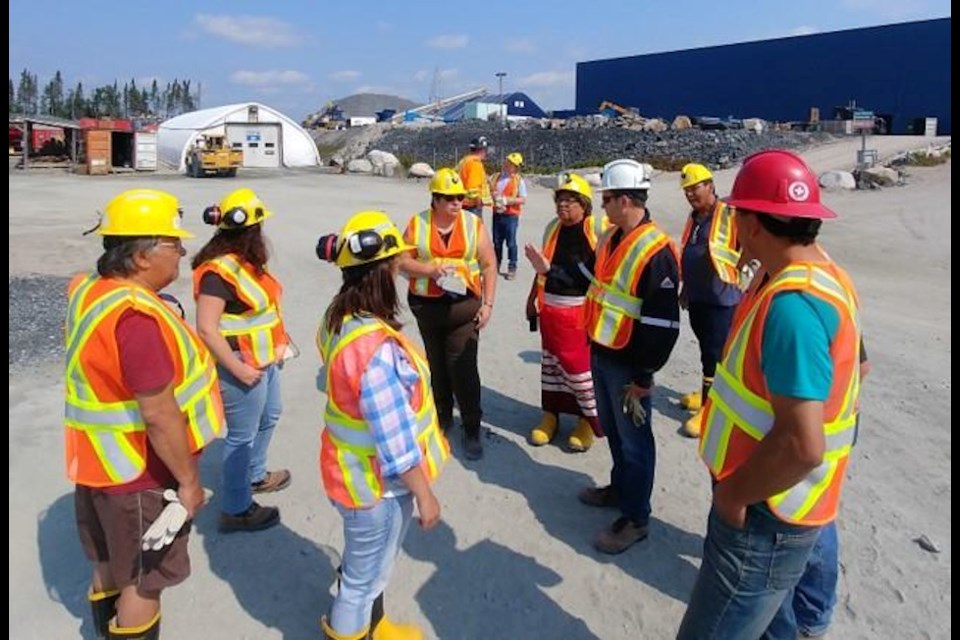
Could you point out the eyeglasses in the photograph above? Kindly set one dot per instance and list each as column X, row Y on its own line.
column 568, row 198
column 459, row 197
column 176, row 245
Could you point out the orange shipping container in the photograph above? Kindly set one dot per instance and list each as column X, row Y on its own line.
column 98, row 151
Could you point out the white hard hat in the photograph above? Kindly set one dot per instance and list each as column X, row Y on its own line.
column 625, row 174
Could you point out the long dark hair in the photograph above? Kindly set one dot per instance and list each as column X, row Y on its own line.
column 368, row 289
column 246, row 242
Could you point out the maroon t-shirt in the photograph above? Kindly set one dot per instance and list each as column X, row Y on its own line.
column 146, row 366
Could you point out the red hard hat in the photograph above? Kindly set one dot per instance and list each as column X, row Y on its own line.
column 780, row 183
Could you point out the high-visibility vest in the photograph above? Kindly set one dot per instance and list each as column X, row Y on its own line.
column 721, row 243
column 106, row 436
column 593, row 228
column 510, row 190
column 478, row 191
column 738, row 414
column 611, row 309
column 460, row 252
column 259, row 331
column 348, row 451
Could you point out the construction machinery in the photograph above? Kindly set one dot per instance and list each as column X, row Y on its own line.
column 612, row 109
column 211, row 155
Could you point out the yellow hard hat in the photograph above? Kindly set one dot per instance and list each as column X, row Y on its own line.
column 143, row 212
column 367, row 237
column 692, row 174
column 567, row 181
column 447, row 182
column 240, row 208
column 515, row 158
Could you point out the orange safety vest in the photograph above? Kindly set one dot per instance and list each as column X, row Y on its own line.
column 460, row 252
column 259, row 331
column 738, row 414
column 593, row 228
column 611, row 309
column 474, row 178
column 510, row 190
column 722, row 242
column 348, row 451
column 106, row 436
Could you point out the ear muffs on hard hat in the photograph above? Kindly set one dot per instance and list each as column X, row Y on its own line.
column 447, row 182
column 367, row 237
column 692, row 174
column 240, row 208
column 142, row 212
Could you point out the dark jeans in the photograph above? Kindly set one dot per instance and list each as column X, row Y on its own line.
column 632, row 447
column 745, row 577
column 711, row 324
column 505, row 230
column 450, row 339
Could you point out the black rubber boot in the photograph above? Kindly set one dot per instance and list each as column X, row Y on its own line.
column 103, row 605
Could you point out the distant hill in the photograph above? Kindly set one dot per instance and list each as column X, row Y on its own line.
column 367, row 104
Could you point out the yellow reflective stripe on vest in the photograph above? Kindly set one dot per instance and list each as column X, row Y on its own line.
column 723, row 253
column 470, row 225
column 247, row 284
column 256, row 323
column 78, row 332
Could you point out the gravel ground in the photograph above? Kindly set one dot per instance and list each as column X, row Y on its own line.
column 37, row 311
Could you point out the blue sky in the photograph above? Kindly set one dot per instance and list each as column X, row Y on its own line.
column 295, row 55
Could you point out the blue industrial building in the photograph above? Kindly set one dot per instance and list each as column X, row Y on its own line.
column 518, row 104
column 900, row 71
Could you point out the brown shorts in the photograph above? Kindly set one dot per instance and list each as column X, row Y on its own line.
column 111, row 526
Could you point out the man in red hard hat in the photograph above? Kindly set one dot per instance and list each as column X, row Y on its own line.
column 780, row 418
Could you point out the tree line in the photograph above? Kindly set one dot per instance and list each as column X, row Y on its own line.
column 108, row 101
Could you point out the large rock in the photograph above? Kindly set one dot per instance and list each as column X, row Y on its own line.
column 681, row 123
column 421, row 170
column 836, row 180
column 359, row 165
column 880, row 176
column 384, row 163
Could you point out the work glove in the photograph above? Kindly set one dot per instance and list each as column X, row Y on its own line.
column 632, row 395
column 165, row 528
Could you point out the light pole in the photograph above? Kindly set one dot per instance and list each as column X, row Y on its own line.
column 500, row 75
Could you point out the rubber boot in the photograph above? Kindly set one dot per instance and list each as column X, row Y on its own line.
column 103, row 605
column 382, row 628
column 330, row 634
column 149, row 631
column 582, row 436
column 545, row 430
column 693, row 426
column 691, row 401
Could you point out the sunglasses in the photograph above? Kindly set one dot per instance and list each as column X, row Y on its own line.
column 459, row 197
column 607, row 198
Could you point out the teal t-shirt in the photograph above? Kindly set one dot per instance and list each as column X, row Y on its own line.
column 796, row 346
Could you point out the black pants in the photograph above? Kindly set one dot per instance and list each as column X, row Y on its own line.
column 450, row 338
column 711, row 324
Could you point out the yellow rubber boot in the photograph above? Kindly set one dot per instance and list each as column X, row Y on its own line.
column 693, row 426
column 545, row 430
column 691, row 401
column 149, row 631
column 387, row 630
column 582, row 436
column 330, row 634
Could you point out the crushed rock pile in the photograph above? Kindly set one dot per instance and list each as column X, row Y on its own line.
column 37, row 310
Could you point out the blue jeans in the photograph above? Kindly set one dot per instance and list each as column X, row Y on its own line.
column 745, row 577
column 505, row 230
column 632, row 447
column 251, row 413
column 810, row 608
column 477, row 211
column 372, row 539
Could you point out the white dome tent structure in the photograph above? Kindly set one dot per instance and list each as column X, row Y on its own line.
column 267, row 137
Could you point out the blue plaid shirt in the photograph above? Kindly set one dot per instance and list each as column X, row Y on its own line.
column 386, row 390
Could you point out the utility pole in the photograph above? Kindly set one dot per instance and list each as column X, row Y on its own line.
column 500, row 75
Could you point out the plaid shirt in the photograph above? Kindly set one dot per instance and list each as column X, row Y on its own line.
column 385, row 392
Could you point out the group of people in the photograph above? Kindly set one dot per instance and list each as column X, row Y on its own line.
column 776, row 413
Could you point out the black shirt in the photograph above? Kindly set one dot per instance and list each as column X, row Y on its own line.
column 565, row 277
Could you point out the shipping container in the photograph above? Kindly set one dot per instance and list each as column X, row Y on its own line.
column 145, row 151
column 97, row 143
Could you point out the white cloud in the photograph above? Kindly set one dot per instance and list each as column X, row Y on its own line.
column 520, row 45
column 803, row 30
column 546, row 79
column 268, row 79
column 458, row 41
column 253, row 31
column 345, row 75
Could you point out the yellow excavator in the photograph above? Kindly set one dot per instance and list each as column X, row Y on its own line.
column 211, row 155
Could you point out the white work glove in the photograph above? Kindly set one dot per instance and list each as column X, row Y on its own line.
column 165, row 528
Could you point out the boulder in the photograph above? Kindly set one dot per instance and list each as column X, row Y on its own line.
column 835, row 180
column 359, row 165
column 421, row 170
